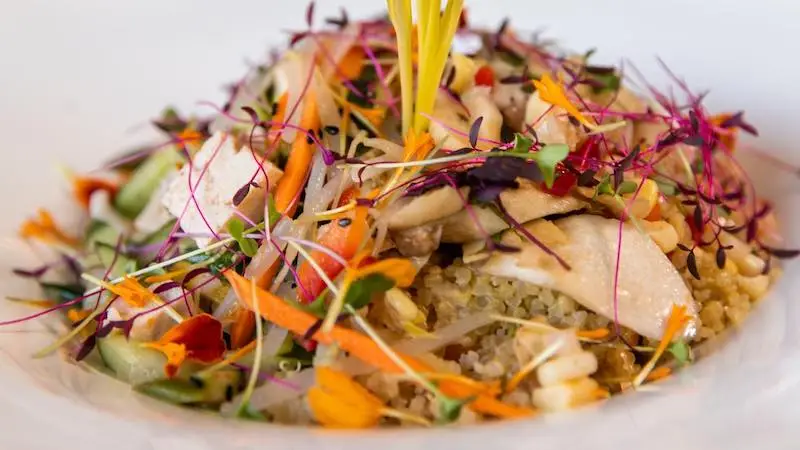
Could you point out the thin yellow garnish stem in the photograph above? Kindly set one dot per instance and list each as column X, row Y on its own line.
column 676, row 322
column 535, row 362
column 400, row 15
column 405, row 417
column 251, row 383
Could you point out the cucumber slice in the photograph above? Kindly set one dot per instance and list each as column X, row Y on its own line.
column 102, row 239
column 134, row 195
column 211, row 389
column 130, row 360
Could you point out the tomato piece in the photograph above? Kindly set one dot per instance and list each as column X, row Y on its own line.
column 484, row 76
column 334, row 237
column 562, row 185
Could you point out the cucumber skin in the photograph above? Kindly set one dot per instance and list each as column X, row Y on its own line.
column 136, row 193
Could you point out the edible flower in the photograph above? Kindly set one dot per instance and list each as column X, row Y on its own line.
column 727, row 135
column 131, row 292
column 552, row 92
column 190, row 137
column 84, row 187
column 337, row 401
column 676, row 322
column 198, row 338
column 45, row 229
column 399, row 271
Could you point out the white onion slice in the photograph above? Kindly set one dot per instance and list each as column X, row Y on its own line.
column 273, row 393
column 392, row 150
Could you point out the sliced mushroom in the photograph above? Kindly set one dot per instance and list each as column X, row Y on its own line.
column 433, row 205
column 449, row 114
column 524, row 204
column 551, row 123
column 511, row 100
column 648, row 283
column 418, row 241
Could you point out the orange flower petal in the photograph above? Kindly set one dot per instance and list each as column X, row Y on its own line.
column 44, row 229
column 176, row 354
column 332, row 412
column 339, row 402
column 401, row 271
column 84, row 187
column 202, row 336
column 552, row 92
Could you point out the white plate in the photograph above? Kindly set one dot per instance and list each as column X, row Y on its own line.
column 80, row 78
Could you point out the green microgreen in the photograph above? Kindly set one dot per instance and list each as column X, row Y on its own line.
column 246, row 245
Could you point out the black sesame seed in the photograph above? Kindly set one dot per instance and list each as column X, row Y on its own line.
column 345, row 222
column 332, row 130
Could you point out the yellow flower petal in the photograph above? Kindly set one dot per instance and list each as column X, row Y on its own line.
column 339, row 402
column 401, row 271
column 552, row 92
column 175, row 353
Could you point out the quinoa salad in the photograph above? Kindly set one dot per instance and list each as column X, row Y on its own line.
column 410, row 221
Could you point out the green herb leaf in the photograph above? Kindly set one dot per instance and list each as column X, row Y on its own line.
column 272, row 212
column 627, row 187
column 246, row 245
column 605, row 82
column 360, row 292
column 605, row 186
column 680, row 351
column 521, row 144
column 667, row 188
column 450, row 409
column 547, row 158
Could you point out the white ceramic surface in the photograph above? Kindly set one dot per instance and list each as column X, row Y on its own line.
column 79, row 80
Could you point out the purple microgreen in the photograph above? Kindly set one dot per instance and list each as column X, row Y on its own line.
column 752, row 230
column 474, row 130
column 694, row 122
column 683, row 247
column 626, row 162
column 194, row 273
column 737, row 120
column 86, row 347
column 169, row 285
column 500, row 247
column 586, row 179
column 691, row 264
column 368, row 202
column 721, row 257
column 241, row 194
column 697, row 216
column 34, row 273
column 310, row 14
column 341, row 22
column 695, row 140
column 781, row 253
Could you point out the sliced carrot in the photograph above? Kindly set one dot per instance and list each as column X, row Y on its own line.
column 278, row 311
column 655, row 213
column 333, row 236
column 287, row 192
column 280, row 112
column 351, row 64
column 242, row 328
column 342, row 236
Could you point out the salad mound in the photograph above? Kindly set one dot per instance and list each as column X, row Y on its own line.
column 411, row 221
